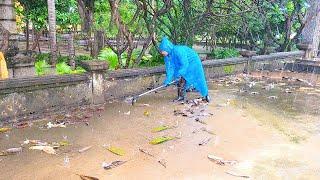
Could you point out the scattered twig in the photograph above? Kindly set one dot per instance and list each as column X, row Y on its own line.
column 221, row 161
column 236, row 175
column 146, row 152
column 204, row 142
column 163, row 162
column 200, row 121
column 83, row 177
column 208, row 131
column 84, row 149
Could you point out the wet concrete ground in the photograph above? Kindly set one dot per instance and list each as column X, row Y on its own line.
column 271, row 129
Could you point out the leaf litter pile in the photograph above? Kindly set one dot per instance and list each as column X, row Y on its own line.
column 195, row 109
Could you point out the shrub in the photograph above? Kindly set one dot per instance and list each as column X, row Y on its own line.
column 43, row 57
column 222, row 53
column 108, row 55
column 61, row 59
column 80, row 58
column 40, row 67
column 152, row 59
column 64, row 68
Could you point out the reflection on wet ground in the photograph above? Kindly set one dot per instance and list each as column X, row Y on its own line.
column 270, row 129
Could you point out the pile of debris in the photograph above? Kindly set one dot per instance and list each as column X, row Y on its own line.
column 195, row 109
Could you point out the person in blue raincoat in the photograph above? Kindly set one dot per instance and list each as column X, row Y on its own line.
column 183, row 64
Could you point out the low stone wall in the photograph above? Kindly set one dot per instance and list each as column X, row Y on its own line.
column 20, row 98
column 123, row 83
column 224, row 67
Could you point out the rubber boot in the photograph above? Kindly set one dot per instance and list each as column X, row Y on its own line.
column 206, row 98
column 181, row 90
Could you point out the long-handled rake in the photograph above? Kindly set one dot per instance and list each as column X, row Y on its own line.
column 131, row 100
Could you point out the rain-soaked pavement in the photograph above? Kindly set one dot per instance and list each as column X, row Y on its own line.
column 267, row 129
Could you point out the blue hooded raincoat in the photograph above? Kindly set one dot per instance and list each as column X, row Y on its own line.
column 183, row 61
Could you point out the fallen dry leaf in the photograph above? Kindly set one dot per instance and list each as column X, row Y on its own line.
column 221, row 161
column 51, row 125
column 4, row 129
column 21, row 125
column 162, row 139
column 13, row 150
column 160, row 128
column 112, row 164
column 116, row 150
column 46, row 149
column 84, row 149
column 64, row 143
column 146, row 113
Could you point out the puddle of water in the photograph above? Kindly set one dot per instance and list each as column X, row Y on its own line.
column 267, row 135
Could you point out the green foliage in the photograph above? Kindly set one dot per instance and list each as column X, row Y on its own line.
column 61, row 59
column 152, row 59
column 102, row 16
column 67, row 13
column 80, row 58
column 34, row 10
column 78, row 70
column 64, row 68
column 41, row 66
column 262, row 24
column 229, row 69
column 43, row 57
column 108, row 55
column 222, row 53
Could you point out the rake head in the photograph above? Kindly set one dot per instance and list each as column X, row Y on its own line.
column 130, row 100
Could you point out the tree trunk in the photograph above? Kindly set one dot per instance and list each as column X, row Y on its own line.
column 311, row 32
column 85, row 8
column 99, row 39
column 52, row 31
column 27, row 35
column 36, row 38
column 71, row 50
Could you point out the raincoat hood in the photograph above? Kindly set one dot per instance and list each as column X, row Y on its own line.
column 166, row 45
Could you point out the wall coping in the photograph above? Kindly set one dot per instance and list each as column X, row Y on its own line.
column 125, row 73
column 22, row 84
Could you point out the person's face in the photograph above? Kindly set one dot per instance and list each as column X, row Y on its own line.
column 164, row 53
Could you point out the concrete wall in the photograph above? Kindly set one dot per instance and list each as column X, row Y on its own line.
column 20, row 98
column 122, row 83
